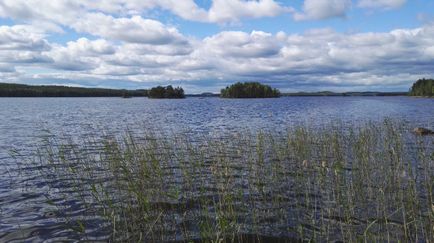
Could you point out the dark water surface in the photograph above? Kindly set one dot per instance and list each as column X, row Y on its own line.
column 25, row 214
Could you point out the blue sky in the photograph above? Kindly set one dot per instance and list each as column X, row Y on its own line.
column 204, row 45
column 356, row 20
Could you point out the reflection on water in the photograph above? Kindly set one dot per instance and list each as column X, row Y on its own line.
column 25, row 211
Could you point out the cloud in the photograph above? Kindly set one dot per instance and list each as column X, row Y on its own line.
column 321, row 57
column 323, row 9
column 221, row 11
column 5, row 68
column 45, row 15
column 233, row 10
column 80, row 55
column 20, row 37
column 19, row 45
column 133, row 30
column 84, row 46
column 385, row 4
column 83, row 15
column 65, row 12
column 315, row 59
column 237, row 44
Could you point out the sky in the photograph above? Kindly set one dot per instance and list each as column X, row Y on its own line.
column 205, row 45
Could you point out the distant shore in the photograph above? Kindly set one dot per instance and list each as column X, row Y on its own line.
column 317, row 94
column 22, row 90
column 328, row 93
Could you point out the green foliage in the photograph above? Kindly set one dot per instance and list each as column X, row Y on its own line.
column 21, row 90
column 168, row 92
column 355, row 184
column 423, row 87
column 249, row 90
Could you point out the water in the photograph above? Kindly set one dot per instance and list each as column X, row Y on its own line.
column 25, row 213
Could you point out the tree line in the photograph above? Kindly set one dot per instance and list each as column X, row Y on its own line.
column 423, row 87
column 22, row 90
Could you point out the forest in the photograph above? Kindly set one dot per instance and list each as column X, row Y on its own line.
column 249, row 90
column 423, row 87
column 22, row 90
column 168, row 92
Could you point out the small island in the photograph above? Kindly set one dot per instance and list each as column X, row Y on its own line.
column 249, row 90
column 168, row 92
column 423, row 87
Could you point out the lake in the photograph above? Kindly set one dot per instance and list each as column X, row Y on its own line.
column 25, row 214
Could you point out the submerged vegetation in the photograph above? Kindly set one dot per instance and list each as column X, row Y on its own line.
column 22, row 90
column 249, row 90
column 423, row 87
column 168, row 92
column 370, row 183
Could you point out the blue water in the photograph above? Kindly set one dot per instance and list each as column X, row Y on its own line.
column 24, row 213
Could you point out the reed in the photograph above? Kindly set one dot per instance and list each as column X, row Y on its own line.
column 368, row 183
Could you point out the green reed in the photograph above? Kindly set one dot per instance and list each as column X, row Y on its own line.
column 369, row 183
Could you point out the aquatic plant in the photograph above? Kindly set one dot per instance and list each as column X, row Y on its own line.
column 368, row 183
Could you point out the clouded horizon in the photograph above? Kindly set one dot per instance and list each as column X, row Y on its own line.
column 204, row 45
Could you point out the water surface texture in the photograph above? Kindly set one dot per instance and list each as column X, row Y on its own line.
column 25, row 214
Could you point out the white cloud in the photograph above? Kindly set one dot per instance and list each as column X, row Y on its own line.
column 84, row 46
column 67, row 12
column 234, row 10
column 53, row 16
column 134, row 29
column 46, row 14
column 80, row 55
column 19, row 45
column 323, row 9
column 386, row 4
column 20, row 37
column 221, row 11
column 135, row 49
column 319, row 58
column 237, row 44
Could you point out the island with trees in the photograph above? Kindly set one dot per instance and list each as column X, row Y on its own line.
column 22, row 90
column 168, row 92
column 249, row 90
column 423, row 87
